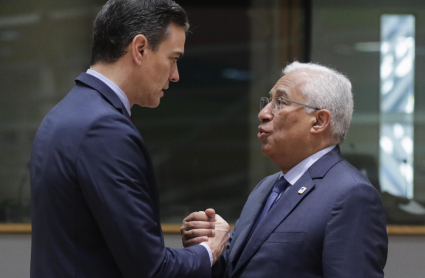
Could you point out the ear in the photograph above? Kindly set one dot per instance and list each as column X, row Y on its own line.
column 138, row 48
column 321, row 121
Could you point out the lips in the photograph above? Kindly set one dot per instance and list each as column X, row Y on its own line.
column 262, row 133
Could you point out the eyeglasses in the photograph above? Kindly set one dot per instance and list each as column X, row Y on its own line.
column 279, row 102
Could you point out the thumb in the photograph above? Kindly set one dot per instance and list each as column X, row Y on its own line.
column 210, row 213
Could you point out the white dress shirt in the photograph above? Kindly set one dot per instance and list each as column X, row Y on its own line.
column 295, row 173
column 117, row 90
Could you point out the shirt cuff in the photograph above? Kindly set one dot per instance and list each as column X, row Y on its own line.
column 209, row 251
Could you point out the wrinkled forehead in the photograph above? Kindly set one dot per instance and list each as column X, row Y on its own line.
column 288, row 86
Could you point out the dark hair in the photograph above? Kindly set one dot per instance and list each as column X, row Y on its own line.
column 120, row 21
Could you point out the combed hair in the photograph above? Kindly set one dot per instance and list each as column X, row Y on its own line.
column 119, row 21
column 327, row 89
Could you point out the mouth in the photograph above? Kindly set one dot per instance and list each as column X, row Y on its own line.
column 262, row 133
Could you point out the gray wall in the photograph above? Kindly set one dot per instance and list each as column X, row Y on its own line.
column 406, row 258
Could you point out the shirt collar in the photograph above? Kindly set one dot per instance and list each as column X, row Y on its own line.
column 117, row 90
column 295, row 173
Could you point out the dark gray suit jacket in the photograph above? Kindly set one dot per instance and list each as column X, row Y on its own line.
column 335, row 229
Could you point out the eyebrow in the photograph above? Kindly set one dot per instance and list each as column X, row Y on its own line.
column 280, row 92
column 180, row 54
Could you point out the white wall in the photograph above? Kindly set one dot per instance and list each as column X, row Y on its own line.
column 406, row 257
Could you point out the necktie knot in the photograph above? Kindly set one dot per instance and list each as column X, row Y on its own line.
column 278, row 188
column 280, row 185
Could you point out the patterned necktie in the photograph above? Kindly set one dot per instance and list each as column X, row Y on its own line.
column 279, row 187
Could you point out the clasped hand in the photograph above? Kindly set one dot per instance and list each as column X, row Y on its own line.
column 206, row 226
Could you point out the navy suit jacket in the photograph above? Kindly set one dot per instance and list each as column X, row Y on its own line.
column 95, row 203
column 335, row 229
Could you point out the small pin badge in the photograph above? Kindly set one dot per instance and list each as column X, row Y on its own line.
column 302, row 190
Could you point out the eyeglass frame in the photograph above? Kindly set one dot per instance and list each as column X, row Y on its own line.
column 289, row 100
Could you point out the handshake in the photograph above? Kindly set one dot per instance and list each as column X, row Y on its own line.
column 207, row 227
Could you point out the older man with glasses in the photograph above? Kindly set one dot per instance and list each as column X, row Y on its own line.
column 318, row 216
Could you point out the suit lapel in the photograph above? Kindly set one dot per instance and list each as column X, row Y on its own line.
column 249, row 214
column 289, row 200
column 277, row 214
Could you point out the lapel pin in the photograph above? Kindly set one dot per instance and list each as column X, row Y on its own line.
column 302, row 190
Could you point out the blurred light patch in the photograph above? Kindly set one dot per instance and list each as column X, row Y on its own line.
column 397, row 49
column 386, row 144
column 237, row 75
column 398, row 130
column 368, row 46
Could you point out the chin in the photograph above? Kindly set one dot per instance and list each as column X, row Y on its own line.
column 265, row 150
column 149, row 105
column 154, row 103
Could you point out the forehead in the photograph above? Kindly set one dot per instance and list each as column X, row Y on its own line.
column 175, row 40
column 289, row 84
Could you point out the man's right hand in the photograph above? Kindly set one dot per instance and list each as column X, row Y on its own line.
column 206, row 227
column 198, row 227
column 218, row 243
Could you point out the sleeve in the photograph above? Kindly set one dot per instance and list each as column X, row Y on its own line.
column 209, row 251
column 112, row 172
column 356, row 241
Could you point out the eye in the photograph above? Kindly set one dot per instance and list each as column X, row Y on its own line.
column 276, row 102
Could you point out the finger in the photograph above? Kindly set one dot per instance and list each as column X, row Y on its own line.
column 194, row 241
column 198, row 233
column 196, row 216
column 198, row 225
column 210, row 213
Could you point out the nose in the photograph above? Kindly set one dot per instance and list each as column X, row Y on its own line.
column 266, row 114
column 174, row 74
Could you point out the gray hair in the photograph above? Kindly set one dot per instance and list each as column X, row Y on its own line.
column 327, row 89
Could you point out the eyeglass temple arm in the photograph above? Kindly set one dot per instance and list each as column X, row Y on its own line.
column 290, row 100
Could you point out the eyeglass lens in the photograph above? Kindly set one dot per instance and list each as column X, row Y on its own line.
column 275, row 104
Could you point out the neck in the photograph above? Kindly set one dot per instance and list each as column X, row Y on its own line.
column 117, row 73
column 315, row 145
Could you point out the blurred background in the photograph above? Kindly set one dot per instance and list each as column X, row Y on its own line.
column 202, row 137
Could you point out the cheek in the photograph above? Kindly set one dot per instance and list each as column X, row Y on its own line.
column 280, row 128
column 159, row 68
column 163, row 73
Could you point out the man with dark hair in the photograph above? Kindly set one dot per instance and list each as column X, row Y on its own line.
column 95, row 202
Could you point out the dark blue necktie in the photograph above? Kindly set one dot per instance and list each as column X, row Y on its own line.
column 279, row 187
